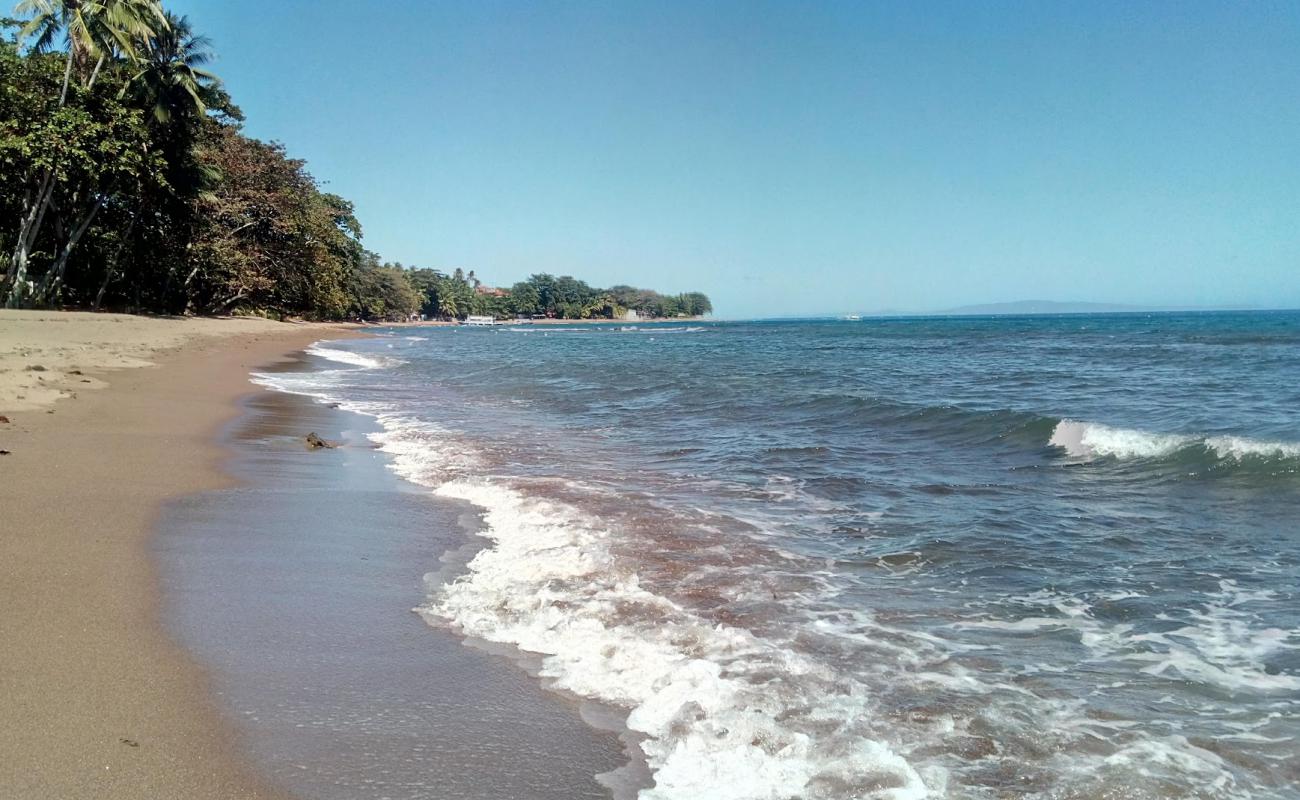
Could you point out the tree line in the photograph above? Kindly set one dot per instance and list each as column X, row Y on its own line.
column 126, row 182
column 461, row 294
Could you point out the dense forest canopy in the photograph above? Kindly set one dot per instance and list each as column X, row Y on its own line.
column 126, row 181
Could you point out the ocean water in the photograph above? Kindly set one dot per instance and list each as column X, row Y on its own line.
column 1039, row 557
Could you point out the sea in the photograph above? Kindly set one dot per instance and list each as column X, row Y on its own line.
column 963, row 557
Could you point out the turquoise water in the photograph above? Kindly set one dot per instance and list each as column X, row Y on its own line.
column 1048, row 557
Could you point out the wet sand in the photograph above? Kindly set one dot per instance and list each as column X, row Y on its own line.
column 296, row 588
column 96, row 700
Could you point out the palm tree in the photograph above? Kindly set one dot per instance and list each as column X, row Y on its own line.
column 95, row 30
column 447, row 305
column 171, row 80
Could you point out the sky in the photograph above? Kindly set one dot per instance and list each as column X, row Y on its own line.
column 799, row 158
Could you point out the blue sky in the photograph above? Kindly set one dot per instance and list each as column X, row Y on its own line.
column 800, row 158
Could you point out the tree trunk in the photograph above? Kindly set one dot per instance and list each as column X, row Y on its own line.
column 95, row 73
column 27, row 230
column 31, row 224
column 9, row 266
column 54, row 278
column 113, row 263
column 67, row 78
column 225, row 304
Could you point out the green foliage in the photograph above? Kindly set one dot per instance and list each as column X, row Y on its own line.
column 460, row 294
column 382, row 292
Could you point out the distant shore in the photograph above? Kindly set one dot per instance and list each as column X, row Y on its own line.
column 98, row 701
column 438, row 323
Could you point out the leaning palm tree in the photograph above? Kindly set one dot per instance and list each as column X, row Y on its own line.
column 95, row 30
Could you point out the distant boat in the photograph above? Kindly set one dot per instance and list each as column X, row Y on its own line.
column 852, row 317
column 480, row 320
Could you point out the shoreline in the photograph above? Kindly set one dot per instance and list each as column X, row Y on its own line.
column 337, row 688
column 103, row 702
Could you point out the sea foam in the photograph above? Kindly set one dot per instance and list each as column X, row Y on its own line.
column 1092, row 440
column 718, row 721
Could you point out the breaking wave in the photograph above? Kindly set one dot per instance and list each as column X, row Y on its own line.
column 725, row 714
column 1089, row 440
column 352, row 359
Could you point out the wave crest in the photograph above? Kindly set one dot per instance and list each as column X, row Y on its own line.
column 353, row 359
column 1089, row 440
column 1092, row 440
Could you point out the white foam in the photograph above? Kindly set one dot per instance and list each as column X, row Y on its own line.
column 1093, row 440
column 1157, row 757
column 1238, row 448
column 353, row 359
column 1223, row 642
column 717, row 723
column 423, row 453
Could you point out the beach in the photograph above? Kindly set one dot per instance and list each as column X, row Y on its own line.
column 97, row 700
column 569, row 563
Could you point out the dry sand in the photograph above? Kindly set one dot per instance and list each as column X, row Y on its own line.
column 50, row 355
column 95, row 700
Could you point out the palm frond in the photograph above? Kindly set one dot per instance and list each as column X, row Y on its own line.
column 40, row 32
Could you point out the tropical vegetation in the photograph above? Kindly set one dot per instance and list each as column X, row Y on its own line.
column 127, row 182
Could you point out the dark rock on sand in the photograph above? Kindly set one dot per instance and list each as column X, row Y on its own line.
column 314, row 442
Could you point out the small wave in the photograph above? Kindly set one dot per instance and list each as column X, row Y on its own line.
column 1092, row 440
column 422, row 453
column 353, row 359
column 1239, row 448
column 1089, row 440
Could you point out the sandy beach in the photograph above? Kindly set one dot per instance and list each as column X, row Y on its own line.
column 97, row 700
